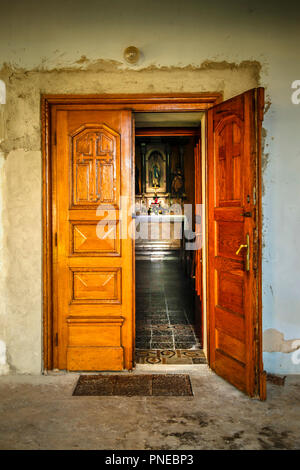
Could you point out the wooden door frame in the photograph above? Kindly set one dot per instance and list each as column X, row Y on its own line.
column 134, row 102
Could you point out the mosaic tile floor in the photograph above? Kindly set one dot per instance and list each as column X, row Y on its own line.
column 178, row 356
column 165, row 314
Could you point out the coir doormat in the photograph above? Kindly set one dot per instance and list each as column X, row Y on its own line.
column 175, row 385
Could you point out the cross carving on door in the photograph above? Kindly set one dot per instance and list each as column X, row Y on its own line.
column 94, row 166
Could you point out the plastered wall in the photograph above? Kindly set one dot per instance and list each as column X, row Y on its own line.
column 192, row 46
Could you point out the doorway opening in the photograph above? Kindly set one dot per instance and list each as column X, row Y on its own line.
column 169, row 318
column 88, row 253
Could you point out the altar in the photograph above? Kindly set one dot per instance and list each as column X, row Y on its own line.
column 159, row 233
column 160, row 192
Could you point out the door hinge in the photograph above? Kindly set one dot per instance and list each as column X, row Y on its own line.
column 55, row 140
column 56, row 339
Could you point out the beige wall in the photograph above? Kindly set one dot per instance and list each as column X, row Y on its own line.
column 192, row 46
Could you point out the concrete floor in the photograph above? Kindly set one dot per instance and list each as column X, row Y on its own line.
column 39, row 412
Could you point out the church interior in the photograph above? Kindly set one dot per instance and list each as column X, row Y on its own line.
column 168, row 309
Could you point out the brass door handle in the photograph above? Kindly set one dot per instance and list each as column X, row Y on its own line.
column 241, row 246
column 248, row 252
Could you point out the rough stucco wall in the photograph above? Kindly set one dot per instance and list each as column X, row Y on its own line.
column 64, row 47
column 23, row 283
column 3, row 257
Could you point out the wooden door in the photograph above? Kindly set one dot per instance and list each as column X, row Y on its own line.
column 92, row 253
column 234, row 241
column 198, row 268
column 198, row 218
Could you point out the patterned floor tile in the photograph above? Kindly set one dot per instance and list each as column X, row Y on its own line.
column 169, row 356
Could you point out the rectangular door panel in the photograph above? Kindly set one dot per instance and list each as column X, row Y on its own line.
column 96, row 285
column 95, row 238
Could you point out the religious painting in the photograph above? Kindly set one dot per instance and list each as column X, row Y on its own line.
column 156, row 172
column 177, row 182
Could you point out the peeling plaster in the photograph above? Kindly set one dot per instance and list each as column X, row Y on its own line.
column 24, row 88
column 101, row 65
column 2, row 92
column 273, row 341
column 2, row 123
column 264, row 156
column 4, row 367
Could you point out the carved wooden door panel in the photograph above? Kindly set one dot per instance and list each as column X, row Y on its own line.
column 93, row 258
column 234, row 244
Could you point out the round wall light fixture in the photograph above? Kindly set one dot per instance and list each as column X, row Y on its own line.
column 131, row 54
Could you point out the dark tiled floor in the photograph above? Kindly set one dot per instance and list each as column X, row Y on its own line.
column 164, row 306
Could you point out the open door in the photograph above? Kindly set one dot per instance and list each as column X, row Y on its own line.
column 198, row 225
column 198, row 230
column 92, row 258
column 234, row 241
